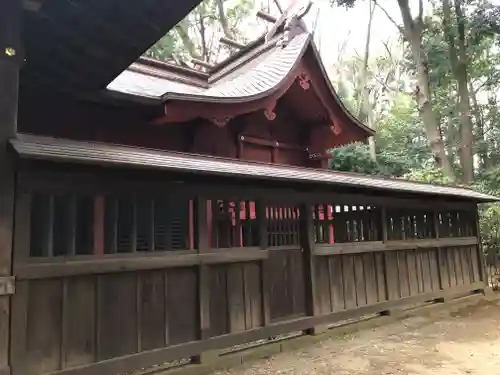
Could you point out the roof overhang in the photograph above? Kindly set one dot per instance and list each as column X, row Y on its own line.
column 69, row 151
column 82, row 45
column 255, row 80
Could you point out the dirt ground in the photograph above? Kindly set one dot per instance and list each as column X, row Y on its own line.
column 466, row 341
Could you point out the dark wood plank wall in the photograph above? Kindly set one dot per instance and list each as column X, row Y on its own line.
column 137, row 280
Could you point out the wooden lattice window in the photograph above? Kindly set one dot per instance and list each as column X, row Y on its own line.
column 147, row 224
column 456, row 223
column 283, row 227
column 233, row 224
column 357, row 223
column 408, row 224
column 342, row 223
column 323, row 223
column 61, row 225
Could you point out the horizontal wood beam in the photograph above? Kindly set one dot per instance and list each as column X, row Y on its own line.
column 70, row 266
column 372, row 246
column 266, row 16
column 232, row 43
column 202, row 63
column 270, row 143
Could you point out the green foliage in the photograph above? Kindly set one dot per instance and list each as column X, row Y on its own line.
column 401, row 135
column 489, row 219
column 431, row 175
column 197, row 35
column 356, row 157
column 168, row 47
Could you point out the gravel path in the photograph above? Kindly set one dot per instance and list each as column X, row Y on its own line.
column 465, row 342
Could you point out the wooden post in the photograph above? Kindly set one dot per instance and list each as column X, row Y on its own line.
column 203, row 280
column 10, row 61
column 261, row 217
column 383, row 218
column 390, row 265
column 307, row 244
column 441, row 262
column 480, row 252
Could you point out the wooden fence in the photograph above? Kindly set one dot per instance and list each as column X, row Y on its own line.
column 114, row 276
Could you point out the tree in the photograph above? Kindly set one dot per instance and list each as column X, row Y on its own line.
column 402, row 148
column 412, row 31
column 197, row 36
column 365, row 107
column 455, row 35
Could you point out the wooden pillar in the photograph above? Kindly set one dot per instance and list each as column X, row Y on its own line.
column 392, row 287
column 442, row 263
column 307, row 244
column 10, row 61
column 479, row 250
column 201, row 228
column 261, row 217
column 385, row 236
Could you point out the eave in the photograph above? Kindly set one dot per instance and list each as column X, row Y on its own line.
column 82, row 45
column 102, row 154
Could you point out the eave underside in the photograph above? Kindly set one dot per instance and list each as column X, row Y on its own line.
column 82, row 45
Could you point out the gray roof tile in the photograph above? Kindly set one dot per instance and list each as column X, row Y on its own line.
column 249, row 80
column 62, row 150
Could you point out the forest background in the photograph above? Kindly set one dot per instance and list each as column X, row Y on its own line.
column 425, row 74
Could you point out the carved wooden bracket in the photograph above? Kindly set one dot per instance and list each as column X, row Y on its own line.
column 336, row 129
column 269, row 111
column 220, row 122
column 304, row 81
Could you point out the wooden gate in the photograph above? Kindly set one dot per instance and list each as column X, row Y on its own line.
column 286, row 262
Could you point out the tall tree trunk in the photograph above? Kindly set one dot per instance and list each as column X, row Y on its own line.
column 365, row 106
column 223, row 19
column 182, row 29
column 479, row 120
column 492, row 119
column 205, row 50
column 458, row 61
column 412, row 30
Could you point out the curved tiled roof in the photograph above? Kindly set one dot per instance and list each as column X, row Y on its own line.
column 260, row 77
column 140, row 84
column 258, row 73
column 256, row 78
column 62, row 150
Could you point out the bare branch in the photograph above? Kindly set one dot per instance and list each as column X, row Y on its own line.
column 343, row 47
column 223, row 19
column 450, row 39
column 408, row 22
column 400, row 29
column 389, row 51
column 278, row 5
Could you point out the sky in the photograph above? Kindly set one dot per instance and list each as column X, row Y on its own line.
column 336, row 24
